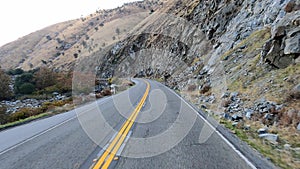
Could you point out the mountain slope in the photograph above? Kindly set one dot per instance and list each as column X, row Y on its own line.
column 237, row 60
column 58, row 46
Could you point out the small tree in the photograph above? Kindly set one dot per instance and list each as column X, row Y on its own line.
column 3, row 115
column 44, row 78
column 5, row 91
column 44, row 62
column 64, row 82
column 22, row 79
column 75, row 55
column 118, row 31
column 27, row 88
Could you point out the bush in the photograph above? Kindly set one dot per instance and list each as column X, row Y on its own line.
column 192, row 88
column 17, row 71
column 21, row 80
column 106, row 92
column 3, row 115
column 21, row 114
column 205, row 89
column 27, row 88
column 5, row 91
column 44, row 77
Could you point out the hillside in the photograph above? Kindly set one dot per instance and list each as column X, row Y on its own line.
column 236, row 60
column 60, row 45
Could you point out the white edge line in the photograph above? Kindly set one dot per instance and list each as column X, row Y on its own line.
column 49, row 129
column 35, row 136
column 100, row 101
column 227, row 141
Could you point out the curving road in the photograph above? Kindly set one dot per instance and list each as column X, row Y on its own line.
column 138, row 129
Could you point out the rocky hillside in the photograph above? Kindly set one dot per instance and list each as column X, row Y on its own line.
column 60, row 45
column 238, row 60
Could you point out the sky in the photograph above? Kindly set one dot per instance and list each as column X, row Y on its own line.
column 21, row 17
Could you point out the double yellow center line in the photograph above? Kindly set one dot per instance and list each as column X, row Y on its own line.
column 109, row 154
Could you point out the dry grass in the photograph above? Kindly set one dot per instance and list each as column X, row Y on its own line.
column 253, row 42
column 284, row 158
column 262, row 81
column 35, row 47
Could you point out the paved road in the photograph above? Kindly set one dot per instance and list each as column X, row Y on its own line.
column 168, row 133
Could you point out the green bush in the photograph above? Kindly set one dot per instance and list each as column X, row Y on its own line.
column 21, row 80
column 27, row 88
column 17, row 71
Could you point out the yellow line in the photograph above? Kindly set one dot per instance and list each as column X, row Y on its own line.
column 112, row 155
column 117, row 140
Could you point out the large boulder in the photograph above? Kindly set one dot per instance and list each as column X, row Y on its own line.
column 295, row 92
column 291, row 6
column 270, row 137
column 284, row 47
column 292, row 45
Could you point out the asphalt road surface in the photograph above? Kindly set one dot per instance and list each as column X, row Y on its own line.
column 154, row 129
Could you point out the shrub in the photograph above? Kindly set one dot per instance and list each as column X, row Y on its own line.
column 44, row 62
column 118, row 31
column 106, row 92
column 192, row 88
column 3, row 115
column 226, row 102
column 5, row 91
column 21, row 114
column 205, row 89
column 17, row 71
column 44, row 77
column 27, row 88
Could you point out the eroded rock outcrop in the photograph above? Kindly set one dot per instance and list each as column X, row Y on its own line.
column 284, row 46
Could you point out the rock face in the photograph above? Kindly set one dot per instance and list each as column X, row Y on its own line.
column 171, row 38
column 284, row 47
column 291, row 6
column 295, row 92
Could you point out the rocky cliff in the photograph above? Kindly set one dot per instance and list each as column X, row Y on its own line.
column 237, row 59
